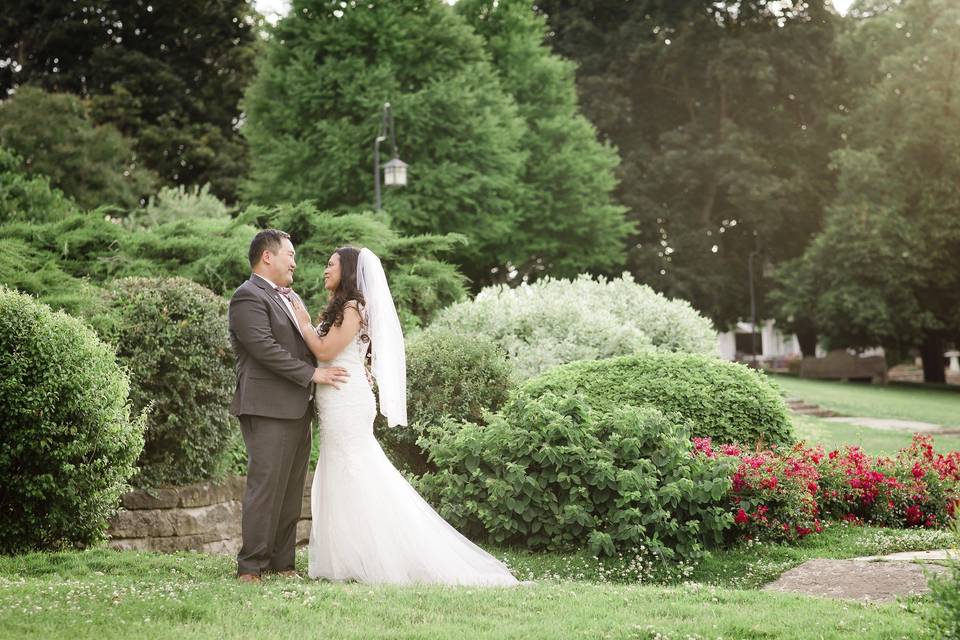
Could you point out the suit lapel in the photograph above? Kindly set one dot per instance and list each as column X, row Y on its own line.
column 275, row 297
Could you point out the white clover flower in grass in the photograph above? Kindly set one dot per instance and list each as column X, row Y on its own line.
column 552, row 322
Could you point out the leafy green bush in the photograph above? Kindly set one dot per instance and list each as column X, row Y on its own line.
column 552, row 322
column 68, row 443
column 722, row 400
column 449, row 375
column 549, row 473
column 174, row 341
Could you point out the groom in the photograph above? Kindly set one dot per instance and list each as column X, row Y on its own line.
column 276, row 374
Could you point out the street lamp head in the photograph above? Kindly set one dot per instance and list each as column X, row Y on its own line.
column 395, row 173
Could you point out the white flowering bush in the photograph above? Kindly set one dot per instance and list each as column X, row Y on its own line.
column 552, row 322
column 178, row 203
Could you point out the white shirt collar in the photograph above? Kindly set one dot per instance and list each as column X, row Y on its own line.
column 267, row 280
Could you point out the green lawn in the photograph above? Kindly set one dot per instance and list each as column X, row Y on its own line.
column 102, row 594
column 876, row 401
column 834, row 435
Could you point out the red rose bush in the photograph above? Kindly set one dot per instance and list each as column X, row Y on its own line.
column 788, row 493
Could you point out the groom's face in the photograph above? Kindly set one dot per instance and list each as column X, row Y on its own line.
column 282, row 264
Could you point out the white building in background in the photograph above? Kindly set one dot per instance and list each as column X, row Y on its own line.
column 772, row 345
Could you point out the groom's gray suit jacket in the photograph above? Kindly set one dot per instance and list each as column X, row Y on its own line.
column 274, row 366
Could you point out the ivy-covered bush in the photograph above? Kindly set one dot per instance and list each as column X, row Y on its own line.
column 548, row 473
column 723, row 400
column 552, row 322
column 174, row 341
column 449, row 375
column 68, row 443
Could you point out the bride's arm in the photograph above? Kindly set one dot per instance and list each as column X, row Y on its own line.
column 327, row 347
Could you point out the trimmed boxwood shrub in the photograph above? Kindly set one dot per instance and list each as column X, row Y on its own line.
column 549, row 473
column 725, row 401
column 175, row 343
column 68, row 442
column 449, row 375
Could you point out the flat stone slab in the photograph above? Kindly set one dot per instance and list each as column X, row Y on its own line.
column 937, row 555
column 856, row 579
column 891, row 424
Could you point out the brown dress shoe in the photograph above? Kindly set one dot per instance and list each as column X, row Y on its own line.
column 248, row 578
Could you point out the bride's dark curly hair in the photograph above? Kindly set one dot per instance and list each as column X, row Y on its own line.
column 346, row 291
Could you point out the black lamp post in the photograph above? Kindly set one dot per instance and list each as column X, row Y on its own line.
column 395, row 171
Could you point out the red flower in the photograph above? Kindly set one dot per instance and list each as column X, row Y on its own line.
column 741, row 517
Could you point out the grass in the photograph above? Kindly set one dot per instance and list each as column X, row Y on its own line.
column 748, row 566
column 102, row 594
column 876, row 401
column 834, row 435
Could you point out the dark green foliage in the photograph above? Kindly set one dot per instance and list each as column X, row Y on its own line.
column 28, row 198
column 168, row 74
column 550, row 474
column 725, row 401
column 720, row 112
column 883, row 271
column 68, row 443
column 449, row 375
column 53, row 133
column 174, row 342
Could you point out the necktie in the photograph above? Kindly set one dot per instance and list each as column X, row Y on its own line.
column 284, row 291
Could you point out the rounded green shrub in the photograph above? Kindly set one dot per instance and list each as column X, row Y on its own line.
column 449, row 375
column 551, row 474
column 725, row 401
column 174, row 341
column 68, row 443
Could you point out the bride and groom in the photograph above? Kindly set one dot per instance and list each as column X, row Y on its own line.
column 368, row 523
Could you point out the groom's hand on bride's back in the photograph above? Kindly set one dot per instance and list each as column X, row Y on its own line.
column 332, row 376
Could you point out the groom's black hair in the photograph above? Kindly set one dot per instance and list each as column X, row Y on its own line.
column 267, row 240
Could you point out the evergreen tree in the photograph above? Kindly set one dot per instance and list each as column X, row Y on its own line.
column 569, row 223
column 315, row 107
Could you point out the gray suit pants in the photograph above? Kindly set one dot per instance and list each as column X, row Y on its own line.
column 278, row 453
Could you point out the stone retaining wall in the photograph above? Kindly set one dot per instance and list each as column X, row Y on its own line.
column 199, row 517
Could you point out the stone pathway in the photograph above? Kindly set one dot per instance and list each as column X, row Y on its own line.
column 891, row 424
column 868, row 579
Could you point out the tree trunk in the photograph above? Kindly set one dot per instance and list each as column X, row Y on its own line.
column 931, row 351
column 807, row 337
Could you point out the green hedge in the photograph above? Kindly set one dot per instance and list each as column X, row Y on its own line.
column 68, row 443
column 549, row 474
column 449, row 375
column 174, row 341
column 726, row 401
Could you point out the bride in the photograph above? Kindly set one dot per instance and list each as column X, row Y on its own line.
column 369, row 524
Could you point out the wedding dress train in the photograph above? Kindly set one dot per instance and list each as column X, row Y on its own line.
column 369, row 524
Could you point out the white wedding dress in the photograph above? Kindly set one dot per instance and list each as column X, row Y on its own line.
column 369, row 524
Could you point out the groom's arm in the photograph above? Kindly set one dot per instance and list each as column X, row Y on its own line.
column 250, row 323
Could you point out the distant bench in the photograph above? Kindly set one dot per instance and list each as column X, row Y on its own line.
column 840, row 365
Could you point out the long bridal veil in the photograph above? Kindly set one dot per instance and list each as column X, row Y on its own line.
column 388, row 355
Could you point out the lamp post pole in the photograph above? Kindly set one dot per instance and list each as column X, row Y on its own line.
column 385, row 120
column 753, row 308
